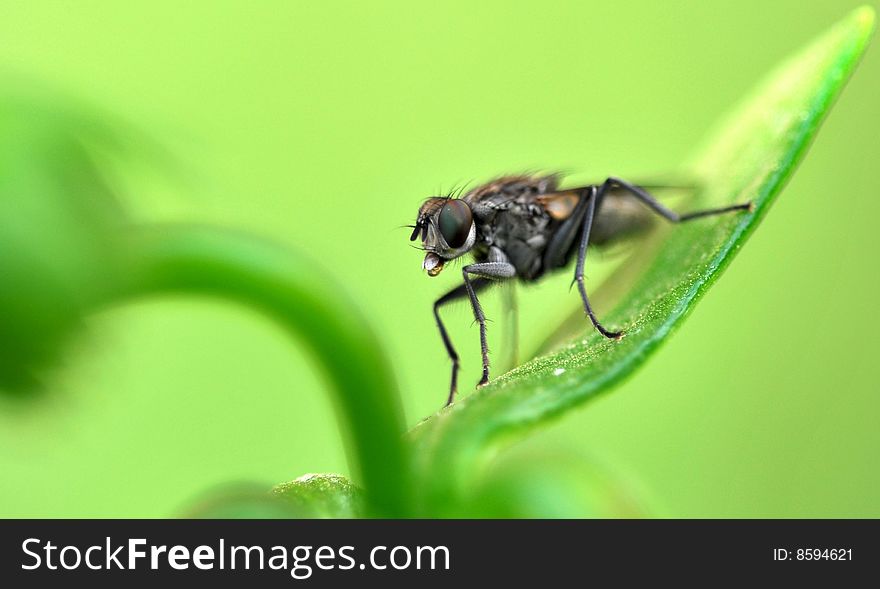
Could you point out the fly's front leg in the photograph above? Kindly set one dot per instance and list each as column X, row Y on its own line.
column 455, row 294
column 493, row 270
column 670, row 215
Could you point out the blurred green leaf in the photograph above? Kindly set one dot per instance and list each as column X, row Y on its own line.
column 310, row 496
column 243, row 501
column 322, row 496
column 749, row 158
column 59, row 222
column 549, row 485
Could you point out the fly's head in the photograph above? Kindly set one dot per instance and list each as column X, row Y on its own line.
column 446, row 228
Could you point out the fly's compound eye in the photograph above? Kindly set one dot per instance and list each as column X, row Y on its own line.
column 455, row 222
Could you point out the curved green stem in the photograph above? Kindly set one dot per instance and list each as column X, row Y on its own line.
column 203, row 260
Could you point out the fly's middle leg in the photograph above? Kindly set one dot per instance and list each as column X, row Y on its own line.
column 591, row 200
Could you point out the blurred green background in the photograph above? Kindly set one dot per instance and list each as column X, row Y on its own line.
column 324, row 125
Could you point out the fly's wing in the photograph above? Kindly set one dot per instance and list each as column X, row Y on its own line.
column 561, row 204
column 621, row 215
column 512, row 186
column 676, row 190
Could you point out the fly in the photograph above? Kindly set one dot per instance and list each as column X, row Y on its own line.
column 521, row 228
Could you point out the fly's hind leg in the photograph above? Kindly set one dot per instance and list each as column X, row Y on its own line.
column 670, row 215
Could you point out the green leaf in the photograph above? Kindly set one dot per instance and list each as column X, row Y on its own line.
column 58, row 242
column 311, row 496
column 748, row 159
column 549, row 485
column 243, row 501
column 322, row 496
